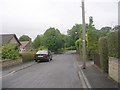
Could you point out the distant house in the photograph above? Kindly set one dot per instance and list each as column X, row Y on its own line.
column 25, row 46
column 9, row 39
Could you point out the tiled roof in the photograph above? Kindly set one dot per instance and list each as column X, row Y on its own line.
column 24, row 44
column 5, row 38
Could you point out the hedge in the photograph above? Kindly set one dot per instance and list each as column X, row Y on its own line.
column 114, row 44
column 103, row 51
column 27, row 56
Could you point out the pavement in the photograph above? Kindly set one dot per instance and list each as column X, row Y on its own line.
column 95, row 78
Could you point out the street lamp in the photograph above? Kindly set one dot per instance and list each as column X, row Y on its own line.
column 83, row 35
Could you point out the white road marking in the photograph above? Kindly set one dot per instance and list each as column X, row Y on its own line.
column 83, row 78
column 86, row 80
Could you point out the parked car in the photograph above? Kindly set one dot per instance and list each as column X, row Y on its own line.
column 43, row 55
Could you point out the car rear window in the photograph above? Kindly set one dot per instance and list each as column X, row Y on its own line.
column 42, row 52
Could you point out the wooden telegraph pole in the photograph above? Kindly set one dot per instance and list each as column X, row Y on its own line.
column 83, row 36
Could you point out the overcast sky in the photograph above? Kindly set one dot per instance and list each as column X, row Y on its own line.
column 33, row 17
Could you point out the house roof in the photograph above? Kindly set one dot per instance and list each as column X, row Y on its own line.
column 24, row 44
column 5, row 38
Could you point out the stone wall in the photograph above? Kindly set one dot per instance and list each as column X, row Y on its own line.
column 8, row 63
column 114, row 69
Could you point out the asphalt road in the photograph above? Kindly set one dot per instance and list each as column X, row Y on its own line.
column 61, row 72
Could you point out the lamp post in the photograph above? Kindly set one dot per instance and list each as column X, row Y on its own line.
column 83, row 36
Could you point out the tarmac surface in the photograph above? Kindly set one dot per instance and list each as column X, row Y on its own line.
column 64, row 71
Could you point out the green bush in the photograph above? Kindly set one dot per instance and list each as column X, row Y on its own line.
column 27, row 56
column 10, row 51
column 78, row 45
column 103, row 51
column 113, row 46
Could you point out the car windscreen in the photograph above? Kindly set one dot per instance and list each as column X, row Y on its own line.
column 42, row 52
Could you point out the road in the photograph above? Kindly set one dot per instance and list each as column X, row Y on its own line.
column 61, row 72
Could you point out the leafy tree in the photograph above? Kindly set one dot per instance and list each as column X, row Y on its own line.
column 74, row 34
column 53, row 39
column 105, row 30
column 64, row 40
column 91, row 22
column 24, row 38
column 37, row 42
column 10, row 51
column 42, row 48
column 117, row 27
column 92, row 38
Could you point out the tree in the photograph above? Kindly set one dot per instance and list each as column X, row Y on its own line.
column 74, row 34
column 64, row 40
column 37, row 42
column 24, row 38
column 117, row 27
column 92, row 38
column 53, row 39
column 91, row 22
column 105, row 30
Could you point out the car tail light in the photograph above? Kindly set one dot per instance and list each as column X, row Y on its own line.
column 45, row 56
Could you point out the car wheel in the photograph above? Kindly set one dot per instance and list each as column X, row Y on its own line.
column 38, row 61
column 48, row 60
column 35, row 60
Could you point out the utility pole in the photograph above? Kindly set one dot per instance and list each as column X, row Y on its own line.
column 83, row 36
column 119, row 13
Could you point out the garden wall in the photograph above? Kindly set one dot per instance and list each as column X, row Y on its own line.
column 9, row 63
column 114, row 69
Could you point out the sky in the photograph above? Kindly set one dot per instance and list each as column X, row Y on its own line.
column 33, row 17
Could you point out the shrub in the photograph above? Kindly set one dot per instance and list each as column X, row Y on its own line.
column 103, row 51
column 10, row 51
column 27, row 56
column 78, row 45
column 113, row 46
